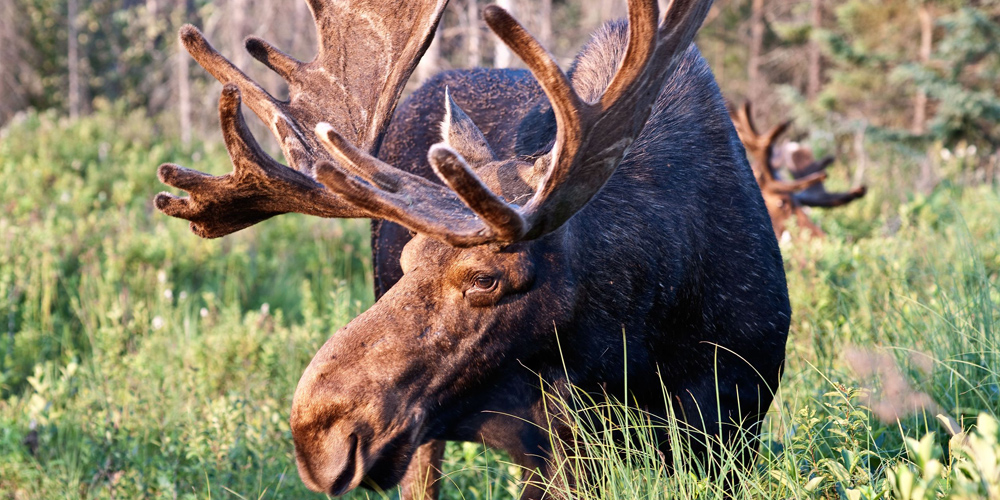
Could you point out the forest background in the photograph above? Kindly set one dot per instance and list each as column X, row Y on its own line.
column 137, row 360
column 912, row 72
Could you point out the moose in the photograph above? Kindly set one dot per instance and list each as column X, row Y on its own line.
column 786, row 199
column 531, row 229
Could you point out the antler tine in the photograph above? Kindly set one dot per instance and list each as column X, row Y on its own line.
column 806, row 166
column 816, row 195
column 765, row 152
column 772, row 135
column 502, row 219
column 258, row 99
column 217, row 206
column 745, row 114
column 672, row 36
column 592, row 138
column 419, row 205
column 281, row 63
column 411, row 200
column 566, row 103
column 826, row 199
column 642, row 29
column 785, row 187
column 367, row 51
column 368, row 167
column 760, row 147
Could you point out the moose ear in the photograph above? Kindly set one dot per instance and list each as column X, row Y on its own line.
column 461, row 134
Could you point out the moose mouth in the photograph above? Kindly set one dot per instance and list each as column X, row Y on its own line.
column 377, row 471
column 390, row 465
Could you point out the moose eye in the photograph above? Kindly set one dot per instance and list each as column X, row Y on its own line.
column 485, row 283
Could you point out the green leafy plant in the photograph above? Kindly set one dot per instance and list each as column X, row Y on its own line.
column 970, row 470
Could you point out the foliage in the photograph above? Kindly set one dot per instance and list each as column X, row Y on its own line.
column 141, row 361
column 121, row 50
column 961, row 77
column 971, row 469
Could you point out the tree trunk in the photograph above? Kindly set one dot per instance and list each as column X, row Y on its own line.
column 18, row 61
column 302, row 23
column 610, row 9
column 430, row 63
column 861, row 156
column 545, row 23
column 237, row 31
column 926, row 45
column 184, row 88
column 73, row 61
column 754, row 84
column 8, row 59
column 473, row 34
column 502, row 56
column 815, row 63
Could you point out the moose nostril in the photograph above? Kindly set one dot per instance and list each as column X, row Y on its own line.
column 345, row 479
column 331, row 466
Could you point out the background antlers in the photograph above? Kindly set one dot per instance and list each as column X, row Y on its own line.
column 801, row 163
column 784, row 199
column 760, row 149
column 366, row 52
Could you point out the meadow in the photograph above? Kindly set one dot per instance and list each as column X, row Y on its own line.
column 140, row 361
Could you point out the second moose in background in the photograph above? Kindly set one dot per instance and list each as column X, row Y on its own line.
column 786, row 199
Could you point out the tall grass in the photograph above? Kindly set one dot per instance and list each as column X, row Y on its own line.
column 137, row 360
column 146, row 362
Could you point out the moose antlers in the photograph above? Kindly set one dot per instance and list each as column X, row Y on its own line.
column 801, row 164
column 591, row 139
column 332, row 125
column 784, row 199
column 366, row 52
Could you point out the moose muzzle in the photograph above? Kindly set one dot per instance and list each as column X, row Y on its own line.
column 355, row 420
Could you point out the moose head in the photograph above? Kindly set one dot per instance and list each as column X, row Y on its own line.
column 785, row 199
column 503, row 247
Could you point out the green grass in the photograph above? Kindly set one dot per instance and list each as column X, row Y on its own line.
column 146, row 362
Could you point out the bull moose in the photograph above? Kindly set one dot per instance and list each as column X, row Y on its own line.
column 530, row 227
column 786, row 199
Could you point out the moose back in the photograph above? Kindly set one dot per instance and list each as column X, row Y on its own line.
column 531, row 228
